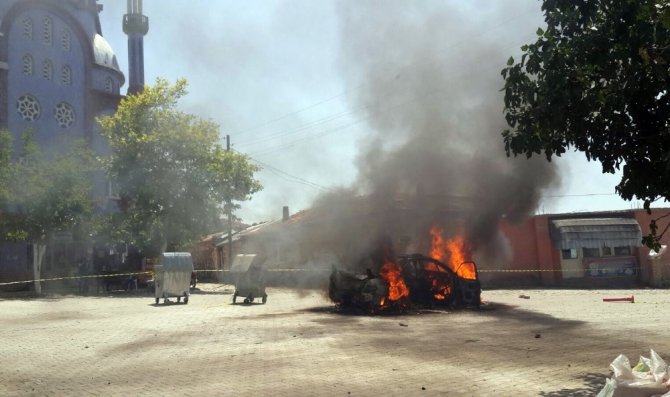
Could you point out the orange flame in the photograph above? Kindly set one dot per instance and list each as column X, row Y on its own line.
column 467, row 270
column 441, row 290
column 397, row 287
column 437, row 250
column 453, row 252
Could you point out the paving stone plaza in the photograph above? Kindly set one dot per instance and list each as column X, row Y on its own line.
column 522, row 343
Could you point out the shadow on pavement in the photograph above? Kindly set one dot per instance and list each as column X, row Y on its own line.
column 593, row 383
column 339, row 312
column 497, row 310
column 502, row 311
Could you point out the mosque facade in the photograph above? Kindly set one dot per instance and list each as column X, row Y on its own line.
column 58, row 74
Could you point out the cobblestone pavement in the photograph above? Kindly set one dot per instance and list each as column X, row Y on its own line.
column 556, row 343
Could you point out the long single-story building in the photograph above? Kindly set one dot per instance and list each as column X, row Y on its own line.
column 600, row 249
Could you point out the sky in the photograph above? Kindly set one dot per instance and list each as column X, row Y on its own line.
column 281, row 77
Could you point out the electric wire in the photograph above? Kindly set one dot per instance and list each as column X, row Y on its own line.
column 324, row 120
column 360, row 86
column 313, row 135
column 285, row 175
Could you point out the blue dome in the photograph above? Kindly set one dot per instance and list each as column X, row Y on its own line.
column 104, row 55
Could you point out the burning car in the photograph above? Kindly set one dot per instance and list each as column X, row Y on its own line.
column 410, row 279
column 366, row 292
column 433, row 283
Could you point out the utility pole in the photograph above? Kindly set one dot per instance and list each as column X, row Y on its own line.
column 230, row 219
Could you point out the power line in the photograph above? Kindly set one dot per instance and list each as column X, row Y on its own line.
column 294, row 178
column 359, row 86
column 305, row 182
column 580, row 195
column 341, row 94
column 297, row 129
column 285, row 145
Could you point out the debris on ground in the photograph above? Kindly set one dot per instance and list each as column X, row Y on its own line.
column 522, row 296
column 630, row 299
column 649, row 378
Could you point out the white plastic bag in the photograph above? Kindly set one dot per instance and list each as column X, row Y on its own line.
column 649, row 378
column 621, row 368
column 608, row 390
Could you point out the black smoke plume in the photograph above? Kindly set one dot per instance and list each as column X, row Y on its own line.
column 429, row 86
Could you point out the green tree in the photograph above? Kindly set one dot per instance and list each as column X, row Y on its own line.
column 171, row 171
column 596, row 80
column 46, row 193
column 5, row 157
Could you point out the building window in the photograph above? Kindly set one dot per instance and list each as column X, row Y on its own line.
column 66, row 75
column 27, row 28
column 65, row 40
column 27, row 65
column 28, row 107
column 569, row 253
column 64, row 115
column 47, row 69
column 591, row 252
column 622, row 250
column 109, row 84
column 47, row 30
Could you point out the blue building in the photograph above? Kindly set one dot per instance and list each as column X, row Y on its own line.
column 57, row 75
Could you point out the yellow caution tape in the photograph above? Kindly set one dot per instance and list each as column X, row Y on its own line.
column 540, row 270
column 74, row 278
column 286, row 270
column 478, row 270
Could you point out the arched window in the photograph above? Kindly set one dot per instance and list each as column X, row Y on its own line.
column 47, row 69
column 27, row 27
column 27, row 65
column 109, row 84
column 47, row 31
column 66, row 75
column 65, row 40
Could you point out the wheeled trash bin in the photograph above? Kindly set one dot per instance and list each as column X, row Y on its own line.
column 172, row 276
column 249, row 279
column 251, row 285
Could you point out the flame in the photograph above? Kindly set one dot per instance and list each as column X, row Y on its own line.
column 442, row 290
column 437, row 247
column 397, row 287
column 453, row 252
column 467, row 270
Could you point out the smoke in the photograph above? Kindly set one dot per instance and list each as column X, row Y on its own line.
column 429, row 79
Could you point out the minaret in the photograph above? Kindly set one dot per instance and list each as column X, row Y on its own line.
column 135, row 25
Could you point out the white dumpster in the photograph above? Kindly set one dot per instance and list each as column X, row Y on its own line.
column 172, row 276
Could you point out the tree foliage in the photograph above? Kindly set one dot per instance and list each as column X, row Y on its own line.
column 5, row 158
column 46, row 192
column 596, row 80
column 43, row 193
column 173, row 175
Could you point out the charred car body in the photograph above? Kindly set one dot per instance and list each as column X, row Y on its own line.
column 428, row 282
